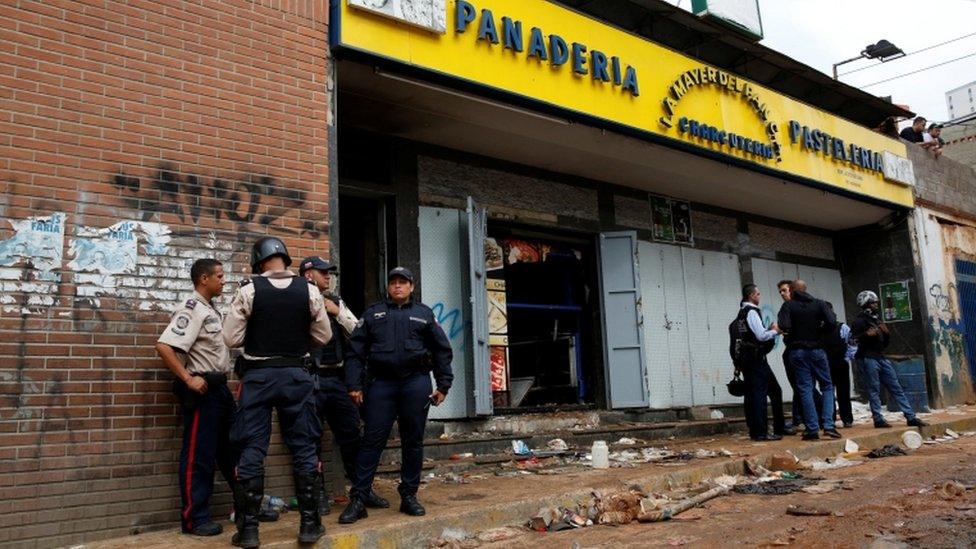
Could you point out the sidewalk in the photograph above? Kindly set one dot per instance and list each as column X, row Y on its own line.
column 490, row 501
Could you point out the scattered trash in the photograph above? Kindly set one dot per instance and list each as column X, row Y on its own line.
column 558, row 445
column 783, row 462
column 967, row 507
column 453, row 534
column 951, row 490
column 888, row 450
column 775, row 487
column 951, row 433
column 717, row 414
column 543, row 518
column 702, row 453
column 626, row 441
column 805, row 511
column 520, row 448
column 600, row 455
column 850, row 446
column 670, row 511
column 464, row 455
column 837, row 462
column 912, row 440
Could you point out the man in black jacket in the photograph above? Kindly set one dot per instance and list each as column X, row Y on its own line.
column 872, row 336
column 806, row 319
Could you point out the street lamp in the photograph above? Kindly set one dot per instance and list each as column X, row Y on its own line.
column 883, row 51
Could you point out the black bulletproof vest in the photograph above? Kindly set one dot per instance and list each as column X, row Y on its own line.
column 331, row 352
column 280, row 320
column 748, row 337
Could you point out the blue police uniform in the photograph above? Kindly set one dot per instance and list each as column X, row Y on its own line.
column 276, row 317
column 390, row 356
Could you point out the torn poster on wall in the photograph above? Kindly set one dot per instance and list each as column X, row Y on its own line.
column 29, row 262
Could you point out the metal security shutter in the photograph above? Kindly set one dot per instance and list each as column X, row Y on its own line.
column 622, row 318
column 478, row 307
column 690, row 296
column 444, row 291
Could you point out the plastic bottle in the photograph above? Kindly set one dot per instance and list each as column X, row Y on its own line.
column 601, row 455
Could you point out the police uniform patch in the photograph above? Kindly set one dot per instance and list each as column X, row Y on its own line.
column 191, row 303
column 415, row 319
column 182, row 321
column 380, row 314
column 177, row 332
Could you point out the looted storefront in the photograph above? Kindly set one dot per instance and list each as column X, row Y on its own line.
column 584, row 205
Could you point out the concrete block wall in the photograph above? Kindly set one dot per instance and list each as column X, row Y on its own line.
column 136, row 137
column 943, row 182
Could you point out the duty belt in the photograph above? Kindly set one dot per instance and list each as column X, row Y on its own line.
column 213, row 378
column 244, row 364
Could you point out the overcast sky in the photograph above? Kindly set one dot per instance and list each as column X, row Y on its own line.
column 823, row 32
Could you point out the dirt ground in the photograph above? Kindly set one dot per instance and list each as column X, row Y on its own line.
column 890, row 502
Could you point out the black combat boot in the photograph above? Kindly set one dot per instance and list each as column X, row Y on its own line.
column 307, row 490
column 374, row 500
column 247, row 505
column 410, row 506
column 353, row 512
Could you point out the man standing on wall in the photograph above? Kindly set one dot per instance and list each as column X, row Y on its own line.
column 192, row 348
column 806, row 319
column 388, row 365
column 332, row 400
column 784, row 291
column 872, row 336
column 276, row 317
column 759, row 378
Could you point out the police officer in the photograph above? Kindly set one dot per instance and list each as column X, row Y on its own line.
column 271, row 317
column 391, row 353
column 332, row 400
column 193, row 349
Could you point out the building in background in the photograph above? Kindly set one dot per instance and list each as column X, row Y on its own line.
column 960, row 137
column 960, row 101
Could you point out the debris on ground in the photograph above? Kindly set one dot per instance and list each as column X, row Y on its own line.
column 557, row 445
column 775, row 487
column 670, row 510
column 851, row 447
column 464, row 455
column 951, row 490
column 824, row 487
column 888, row 450
column 498, row 534
column 627, row 441
column 836, row 462
column 520, row 448
column 783, row 462
column 952, row 434
column 806, row 511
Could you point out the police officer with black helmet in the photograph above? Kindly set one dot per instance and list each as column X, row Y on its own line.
column 332, row 400
column 276, row 317
column 392, row 351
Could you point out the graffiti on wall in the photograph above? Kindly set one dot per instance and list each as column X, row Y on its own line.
column 944, row 300
column 253, row 203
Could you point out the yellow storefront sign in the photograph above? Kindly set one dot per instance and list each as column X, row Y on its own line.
column 538, row 50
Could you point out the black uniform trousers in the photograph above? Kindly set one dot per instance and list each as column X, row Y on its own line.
column 404, row 400
column 290, row 391
column 761, row 384
column 797, row 404
column 337, row 409
column 207, row 420
column 840, row 375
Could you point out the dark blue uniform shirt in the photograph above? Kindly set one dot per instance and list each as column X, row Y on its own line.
column 395, row 341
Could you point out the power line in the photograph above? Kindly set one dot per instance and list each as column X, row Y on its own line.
column 917, row 71
column 911, row 53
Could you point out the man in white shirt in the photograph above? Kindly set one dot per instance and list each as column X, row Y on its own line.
column 760, row 381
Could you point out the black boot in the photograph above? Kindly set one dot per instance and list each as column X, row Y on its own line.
column 247, row 505
column 410, row 506
column 374, row 500
column 353, row 512
column 324, row 507
column 307, row 489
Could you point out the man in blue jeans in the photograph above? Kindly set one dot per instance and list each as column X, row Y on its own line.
column 872, row 336
column 806, row 320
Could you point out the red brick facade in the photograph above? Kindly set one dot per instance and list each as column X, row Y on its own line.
column 135, row 137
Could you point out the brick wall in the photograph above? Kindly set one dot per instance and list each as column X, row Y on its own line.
column 135, row 137
column 943, row 182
